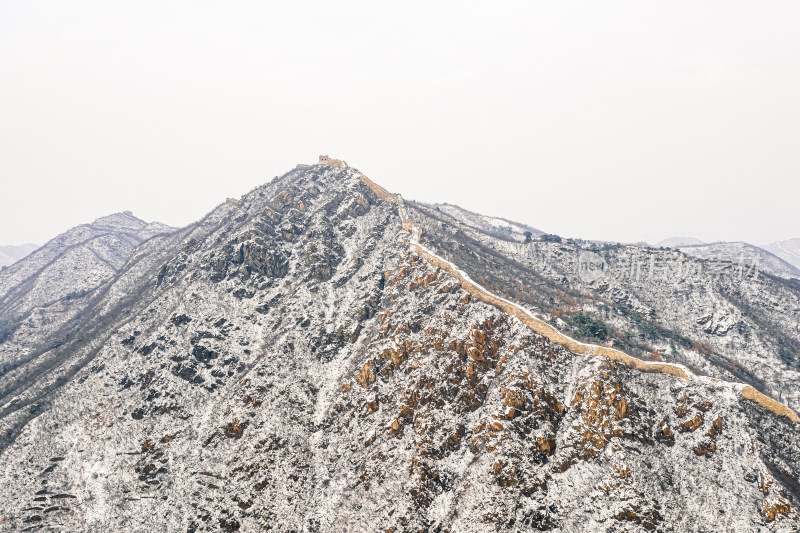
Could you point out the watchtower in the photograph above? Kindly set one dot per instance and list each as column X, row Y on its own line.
column 325, row 160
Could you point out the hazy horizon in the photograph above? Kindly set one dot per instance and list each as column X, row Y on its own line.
column 622, row 121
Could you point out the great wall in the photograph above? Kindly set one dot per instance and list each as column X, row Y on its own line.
column 543, row 328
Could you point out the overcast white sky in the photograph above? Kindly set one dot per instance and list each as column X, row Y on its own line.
column 608, row 120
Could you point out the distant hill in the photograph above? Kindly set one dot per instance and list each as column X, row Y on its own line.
column 51, row 286
column 748, row 254
column 788, row 250
column 779, row 259
column 674, row 242
column 75, row 262
column 11, row 254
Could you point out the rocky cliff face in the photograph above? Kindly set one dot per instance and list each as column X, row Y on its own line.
column 291, row 364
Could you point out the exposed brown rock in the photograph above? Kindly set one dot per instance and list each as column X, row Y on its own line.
column 692, row 425
column 366, row 377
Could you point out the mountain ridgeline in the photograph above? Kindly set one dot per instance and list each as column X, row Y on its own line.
column 321, row 356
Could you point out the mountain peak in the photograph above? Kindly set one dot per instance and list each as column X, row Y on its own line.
column 321, row 355
column 123, row 219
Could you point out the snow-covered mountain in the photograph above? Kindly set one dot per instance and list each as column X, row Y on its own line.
column 295, row 362
column 13, row 253
column 788, row 250
column 746, row 255
column 48, row 288
column 76, row 261
column 741, row 253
